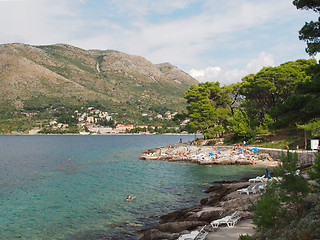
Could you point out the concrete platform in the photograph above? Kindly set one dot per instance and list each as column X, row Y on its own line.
column 232, row 233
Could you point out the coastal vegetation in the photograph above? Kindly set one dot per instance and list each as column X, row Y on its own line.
column 275, row 99
column 270, row 100
column 289, row 207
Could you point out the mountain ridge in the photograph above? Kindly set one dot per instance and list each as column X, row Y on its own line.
column 38, row 78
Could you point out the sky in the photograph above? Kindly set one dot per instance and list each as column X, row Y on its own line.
column 212, row 40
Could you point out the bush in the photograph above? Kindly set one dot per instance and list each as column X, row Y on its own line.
column 287, row 209
column 267, row 210
column 246, row 237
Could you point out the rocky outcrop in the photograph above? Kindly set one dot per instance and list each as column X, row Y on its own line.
column 157, row 235
column 223, row 200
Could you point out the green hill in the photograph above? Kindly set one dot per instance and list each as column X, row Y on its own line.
column 40, row 82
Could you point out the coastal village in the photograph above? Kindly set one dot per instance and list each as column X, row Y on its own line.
column 95, row 121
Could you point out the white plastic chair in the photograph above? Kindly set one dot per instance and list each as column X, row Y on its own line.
column 229, row 220
column 248, row 190
column 257, row 179
column 195, row 235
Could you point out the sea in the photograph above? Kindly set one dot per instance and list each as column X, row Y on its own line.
column 74, row 187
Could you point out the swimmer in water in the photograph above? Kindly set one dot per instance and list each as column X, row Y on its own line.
column 129, row 198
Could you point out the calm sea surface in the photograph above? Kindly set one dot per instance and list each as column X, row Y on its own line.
column 74, row 187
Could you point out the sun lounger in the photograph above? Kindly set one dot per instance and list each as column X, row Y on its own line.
column 195, row 235
column 248, row 190
column 257, row 179
column 229, row 220
column 261, row 186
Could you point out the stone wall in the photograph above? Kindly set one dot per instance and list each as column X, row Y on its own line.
column 306, row 156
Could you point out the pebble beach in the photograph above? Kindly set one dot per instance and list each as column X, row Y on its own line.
column 209, row 155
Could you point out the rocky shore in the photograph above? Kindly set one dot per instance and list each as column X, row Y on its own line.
column 223, row 200
column 210, row 155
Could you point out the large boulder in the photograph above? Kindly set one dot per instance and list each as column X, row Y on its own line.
column 176, row 227
column 155, row 234
column 170, row 230
column 220, row 192
column 180, row 215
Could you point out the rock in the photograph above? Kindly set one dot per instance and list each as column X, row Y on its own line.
column 213, row 189
column 209, row 216
column 180, row 215
column 224, row 200
column 176, row 227
column 204, row 201
column 213, row 201
column 154, row 234
column 264, row 157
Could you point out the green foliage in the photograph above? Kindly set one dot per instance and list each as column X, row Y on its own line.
column 267, row 209
column 246, row 237
column 286, row 209
column 307, row 4
column 180, row 117
column 310, row 32
column 313, row 127
column 240, row 126
column 271, row 86
column 303, row 105
column 314, row 173
column 50, row 131
column 105, row 122
column 67, row 119
column 208, row 108
column 294, row 186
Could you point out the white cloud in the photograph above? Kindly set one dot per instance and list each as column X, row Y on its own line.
column 228, row 76
column 227, row 35
column 264, row 60
column 210, row 71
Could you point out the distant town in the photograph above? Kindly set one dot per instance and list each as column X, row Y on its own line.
column 94, row 121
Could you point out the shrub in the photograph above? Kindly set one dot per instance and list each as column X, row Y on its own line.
column 286, row 209
column 267, row 210
column 246, row 237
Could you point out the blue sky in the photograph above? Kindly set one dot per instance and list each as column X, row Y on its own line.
column 212, row 40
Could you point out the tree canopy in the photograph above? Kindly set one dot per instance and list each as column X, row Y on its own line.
column 275, row 97
column 284, row 96
column 271, row 86
column 310, row 32
column 208, row 108
column 303, row 106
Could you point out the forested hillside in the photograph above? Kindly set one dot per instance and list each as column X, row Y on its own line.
column 40, row 83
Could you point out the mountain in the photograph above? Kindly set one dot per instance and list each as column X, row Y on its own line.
column 37, row 80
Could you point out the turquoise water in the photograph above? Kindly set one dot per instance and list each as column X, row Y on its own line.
column 43, row 195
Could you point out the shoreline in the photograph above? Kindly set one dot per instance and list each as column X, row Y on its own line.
column 223, row 200
column 107, row 134
column 210, row 155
